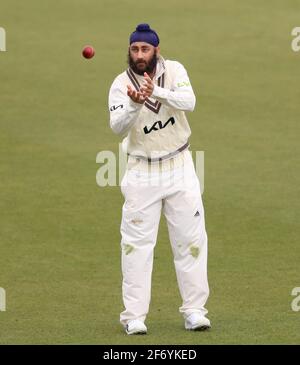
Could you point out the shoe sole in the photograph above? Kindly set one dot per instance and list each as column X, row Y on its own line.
column 200, row 328
column 137, row 333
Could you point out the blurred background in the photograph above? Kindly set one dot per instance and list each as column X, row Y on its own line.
column 59, row 233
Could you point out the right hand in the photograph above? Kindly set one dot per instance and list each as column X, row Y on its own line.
column 135, row 96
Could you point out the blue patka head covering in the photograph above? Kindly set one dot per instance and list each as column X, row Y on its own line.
column 144, row 33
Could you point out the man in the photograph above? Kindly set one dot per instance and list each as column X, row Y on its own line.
column 147, row 105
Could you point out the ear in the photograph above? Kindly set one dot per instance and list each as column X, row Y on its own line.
column 157, row 50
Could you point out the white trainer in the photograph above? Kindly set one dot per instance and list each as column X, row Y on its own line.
column 197, row 322
column 136, row 327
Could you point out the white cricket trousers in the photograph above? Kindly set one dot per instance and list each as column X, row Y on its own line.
column 176, row 192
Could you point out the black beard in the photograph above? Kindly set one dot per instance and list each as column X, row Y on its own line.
column 149, row 67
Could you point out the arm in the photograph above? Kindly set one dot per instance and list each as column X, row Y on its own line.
column 124, row 108
column 181, row 96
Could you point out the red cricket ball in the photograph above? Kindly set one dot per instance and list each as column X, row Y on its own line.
column 88, row 52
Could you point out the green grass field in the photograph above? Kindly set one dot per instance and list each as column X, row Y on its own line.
column 59, row 236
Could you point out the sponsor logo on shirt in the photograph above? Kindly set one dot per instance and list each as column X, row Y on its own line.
column 114, row 107
column 184, row 83
column 159, row 125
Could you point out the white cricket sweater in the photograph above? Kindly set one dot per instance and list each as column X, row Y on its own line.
column 159, row 126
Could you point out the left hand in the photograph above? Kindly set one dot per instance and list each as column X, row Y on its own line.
column 147, row 87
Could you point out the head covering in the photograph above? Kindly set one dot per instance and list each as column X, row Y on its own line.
column 144, row 33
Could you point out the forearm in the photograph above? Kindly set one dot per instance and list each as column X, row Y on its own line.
column 183, row 99
column 123, row 117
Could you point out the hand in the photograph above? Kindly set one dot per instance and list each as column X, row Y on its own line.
column 135, row 96
column 147, row 87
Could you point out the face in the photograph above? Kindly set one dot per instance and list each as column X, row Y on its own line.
column 142, row 57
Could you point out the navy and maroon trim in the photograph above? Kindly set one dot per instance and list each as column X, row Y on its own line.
column 153, row 106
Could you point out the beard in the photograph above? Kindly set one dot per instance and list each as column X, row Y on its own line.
column 139, row 67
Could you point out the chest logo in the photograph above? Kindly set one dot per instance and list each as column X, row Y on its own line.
column 159, row 125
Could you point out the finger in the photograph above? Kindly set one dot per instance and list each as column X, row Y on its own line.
column 148, row 82
column 147, row 77
column 143, row 89
column 141, row 97
column 129, row 90
column 145, row 93
column 146, row 87
column 134, row 94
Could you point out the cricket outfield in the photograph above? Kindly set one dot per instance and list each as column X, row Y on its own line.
column 59, row 236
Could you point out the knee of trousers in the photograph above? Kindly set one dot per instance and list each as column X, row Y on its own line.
column 139, row 237
column 138, row 228
column 189, row 234
column 190, row 246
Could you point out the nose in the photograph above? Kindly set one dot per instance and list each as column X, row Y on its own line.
column 140, row 55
